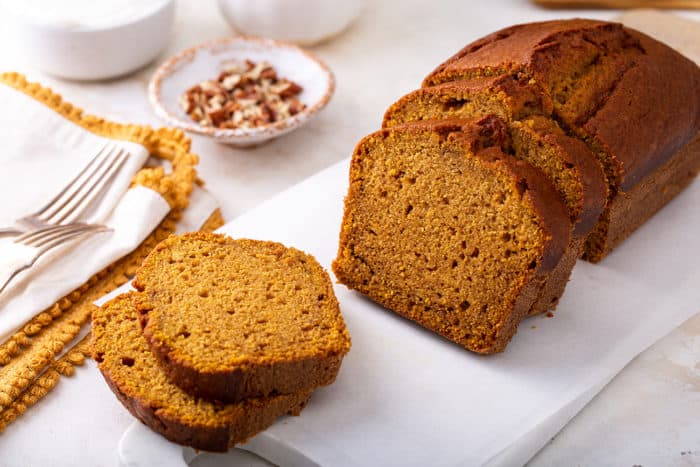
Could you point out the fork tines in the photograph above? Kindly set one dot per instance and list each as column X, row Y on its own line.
column 85, row 187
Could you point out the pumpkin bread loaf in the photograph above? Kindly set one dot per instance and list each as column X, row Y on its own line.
column 132, row 372
column 443, row 226
column 567, row 161
column 233, row 319
column 633, row 100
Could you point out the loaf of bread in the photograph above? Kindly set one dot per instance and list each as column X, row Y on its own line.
column 132, row 372
column 606, row 117
column 445, row 227
column 632, row 99
column 234, row 319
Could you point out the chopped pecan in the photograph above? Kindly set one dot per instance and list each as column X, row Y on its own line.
column 292, row 89
column 244, row 95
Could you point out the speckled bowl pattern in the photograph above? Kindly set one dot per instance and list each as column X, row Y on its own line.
column 203, row 62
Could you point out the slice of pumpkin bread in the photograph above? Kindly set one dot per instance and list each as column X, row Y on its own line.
column 231, row 319
column 132, row 372
column 566, row 161
column 444, row 227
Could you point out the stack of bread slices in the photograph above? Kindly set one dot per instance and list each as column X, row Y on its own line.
column 221, row 337
column 530, row 148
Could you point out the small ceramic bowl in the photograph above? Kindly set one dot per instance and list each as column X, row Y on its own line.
column 89, row 48
column 304, row 22
column 204, row 62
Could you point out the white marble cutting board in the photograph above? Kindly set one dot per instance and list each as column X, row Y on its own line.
column 406, row 397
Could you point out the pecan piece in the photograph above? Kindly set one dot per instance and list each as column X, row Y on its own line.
column 244, row 95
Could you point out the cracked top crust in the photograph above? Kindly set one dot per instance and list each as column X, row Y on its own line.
column 630, row 96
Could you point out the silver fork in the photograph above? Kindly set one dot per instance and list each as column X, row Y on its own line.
column 77, row 196
column 48, row 238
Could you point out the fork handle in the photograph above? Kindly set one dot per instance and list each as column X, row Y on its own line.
column 9, row 275
column 13, row 264
column 9, row 231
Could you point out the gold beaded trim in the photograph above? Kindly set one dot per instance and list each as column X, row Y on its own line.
column 41, row 386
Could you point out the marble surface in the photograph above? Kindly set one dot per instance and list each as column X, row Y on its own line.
column 648, row 415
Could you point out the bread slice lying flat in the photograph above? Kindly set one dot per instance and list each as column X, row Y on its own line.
column 233, row 319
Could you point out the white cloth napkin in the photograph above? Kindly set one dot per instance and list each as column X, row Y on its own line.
column 41, row 152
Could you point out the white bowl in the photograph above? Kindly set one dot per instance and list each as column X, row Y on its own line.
column 300, row 21
column 203, row 62
column 114, row 46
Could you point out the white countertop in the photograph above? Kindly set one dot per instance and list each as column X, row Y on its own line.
column 648, row 415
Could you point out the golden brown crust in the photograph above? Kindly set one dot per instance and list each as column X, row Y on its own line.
column 285, row 377
column 251, row 360
column 476, row 134
column 653, row 111
column 508, row 50
column 648, row 109
column 644, row 200
column 217, row 438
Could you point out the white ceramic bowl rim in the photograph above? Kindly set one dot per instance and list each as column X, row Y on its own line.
column 156, row 10
column 227, row 133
